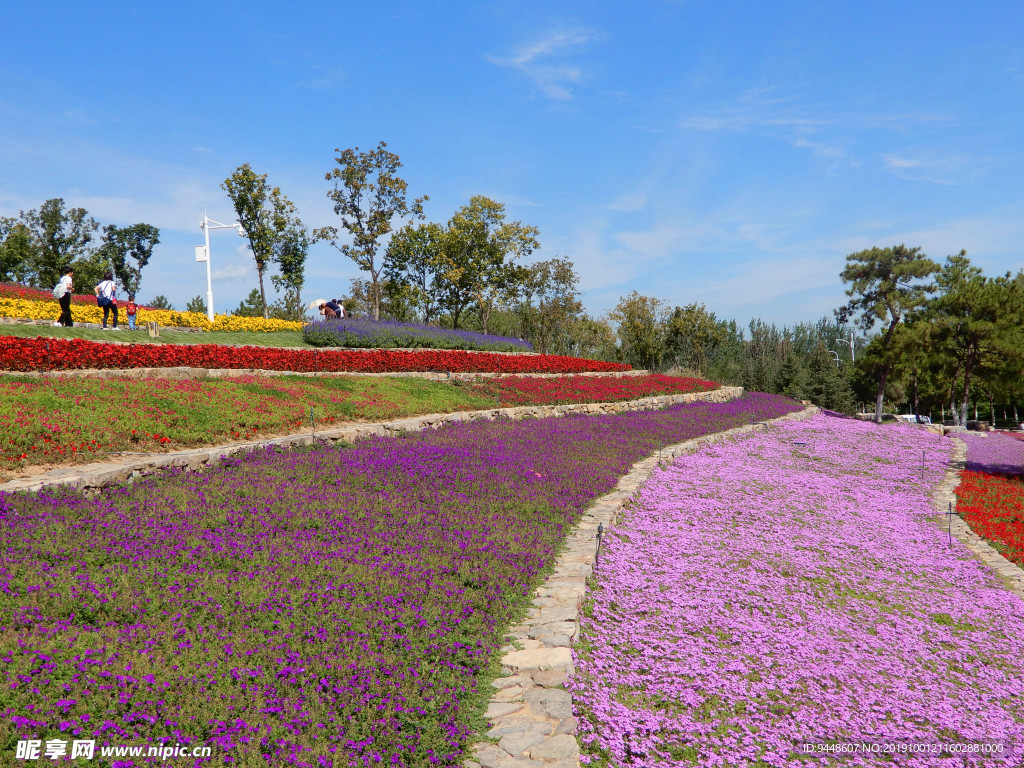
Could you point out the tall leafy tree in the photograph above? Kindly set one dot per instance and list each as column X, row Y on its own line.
column 412, row 262
column 271, row 225
column 640, row 326
column 16, row 250
column 975, row 321
column 692, row 335
column 479, row 253
column 59, row 237
column 549, row 305
column 885, row 284
column 368, row 194
column 128, row 250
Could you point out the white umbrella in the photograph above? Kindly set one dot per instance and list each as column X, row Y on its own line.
column 315, row 304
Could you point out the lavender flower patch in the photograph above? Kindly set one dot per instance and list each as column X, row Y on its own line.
column 994, row 453
column 785, row 588
column 387, row 334
column 336, row 606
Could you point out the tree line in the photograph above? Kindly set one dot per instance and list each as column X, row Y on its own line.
column 38, row 246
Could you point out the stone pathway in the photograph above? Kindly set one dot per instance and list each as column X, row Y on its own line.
column 532, row 725
column 943, row 496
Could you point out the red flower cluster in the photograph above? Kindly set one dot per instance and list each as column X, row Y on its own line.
column 994, row 508
column 587, row 389
column 41, row 354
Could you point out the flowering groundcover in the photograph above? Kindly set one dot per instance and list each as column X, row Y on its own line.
column 990, row 497
column 58, row 420
column 785, row 588
column 41, row 354
column 384, row 334
column 512, row 390
column 334, row 606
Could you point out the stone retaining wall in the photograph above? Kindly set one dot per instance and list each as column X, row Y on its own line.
column 89, row 477
column 532, row 724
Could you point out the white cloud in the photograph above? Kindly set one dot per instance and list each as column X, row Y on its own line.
column 231, row 272
column 947, row 170
column 553, row 78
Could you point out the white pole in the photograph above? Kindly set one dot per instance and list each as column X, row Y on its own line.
column 853, row 357
column 209, row 280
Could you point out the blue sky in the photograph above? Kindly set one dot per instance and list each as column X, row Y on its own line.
column 730, row 153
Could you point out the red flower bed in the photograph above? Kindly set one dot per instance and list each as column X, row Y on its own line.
column 587, row 389
column 16, row 291
column 994, row 508
column 40, row 354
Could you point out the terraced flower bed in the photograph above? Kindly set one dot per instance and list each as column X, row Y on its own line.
column 41, row 354
column 990, row 497
column 511, row 390
column 786, row 589
column 389, row 334
column 337, row 606
column 74, row 420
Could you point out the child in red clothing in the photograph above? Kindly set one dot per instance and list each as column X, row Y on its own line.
column 130, row 310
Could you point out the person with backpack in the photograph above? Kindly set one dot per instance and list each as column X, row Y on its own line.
column 62, row 293
column 106, row 297
column 130, row 310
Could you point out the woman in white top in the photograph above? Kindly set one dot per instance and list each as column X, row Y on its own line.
column 106, row 297
column 63, row 293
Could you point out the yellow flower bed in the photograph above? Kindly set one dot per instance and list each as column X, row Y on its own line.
column 90, row 313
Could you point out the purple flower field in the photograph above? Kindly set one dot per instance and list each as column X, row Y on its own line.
column 785, row 588
column 335, row 606
column 994, row 453
column 389, row 334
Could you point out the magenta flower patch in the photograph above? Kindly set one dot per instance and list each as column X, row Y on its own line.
column 786, row 589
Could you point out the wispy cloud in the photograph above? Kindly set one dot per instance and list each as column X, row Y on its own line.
column 231, row 272
column 948, row 170
column 544, row 62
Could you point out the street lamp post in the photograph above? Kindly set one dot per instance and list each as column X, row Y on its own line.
column 849, row 343
column 206, row 224
column 836, row 354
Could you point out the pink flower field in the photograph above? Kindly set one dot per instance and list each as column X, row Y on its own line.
column 781, row 599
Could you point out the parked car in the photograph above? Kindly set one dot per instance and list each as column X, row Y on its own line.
column 912, row 418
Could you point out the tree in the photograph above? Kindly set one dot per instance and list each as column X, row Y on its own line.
column 639, row 322
column 272, row 227
column 886, row 284
column 290, row 253
column 411, row 264
column 367, row 194
column 478, row 254
column 826, row 385
column 974, row 323
column 59, row 237
column 251, row 305
column 16, row 252
column 692, row 335
column 553, row 285
column 197, row 304
column 127, row 251
column 161, row 302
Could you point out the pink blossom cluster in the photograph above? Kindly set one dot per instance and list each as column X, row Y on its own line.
column 787, row 588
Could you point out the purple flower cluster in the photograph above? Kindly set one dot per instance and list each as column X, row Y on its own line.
column 391, row 334
column 994, row 453
column 786, row 588
column 333, row 606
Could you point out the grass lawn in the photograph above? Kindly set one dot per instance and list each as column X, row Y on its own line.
column 276, row 339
